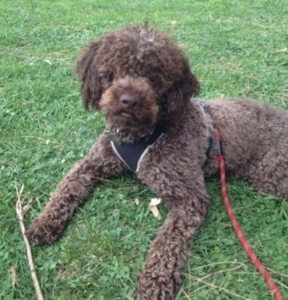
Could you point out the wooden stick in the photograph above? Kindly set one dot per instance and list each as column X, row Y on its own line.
column 20, row 213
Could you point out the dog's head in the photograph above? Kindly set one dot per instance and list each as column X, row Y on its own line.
column 136, row 76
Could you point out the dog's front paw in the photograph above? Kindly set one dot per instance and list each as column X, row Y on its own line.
column 43, row 231
column 156, row 285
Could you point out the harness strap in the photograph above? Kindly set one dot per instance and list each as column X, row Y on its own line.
column 209, row 130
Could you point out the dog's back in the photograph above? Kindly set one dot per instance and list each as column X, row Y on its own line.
column 255, row 142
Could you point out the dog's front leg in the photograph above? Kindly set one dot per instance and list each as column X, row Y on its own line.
column 71, row 192
column 161, row 276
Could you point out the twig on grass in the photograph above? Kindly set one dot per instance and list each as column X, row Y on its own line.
column 20, row 211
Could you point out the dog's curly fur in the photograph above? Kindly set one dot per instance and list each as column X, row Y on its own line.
column 139, row 78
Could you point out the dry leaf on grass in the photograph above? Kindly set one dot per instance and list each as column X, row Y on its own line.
column 137, row 202
column 13, row 275
column 153, row 207
column 283, row 50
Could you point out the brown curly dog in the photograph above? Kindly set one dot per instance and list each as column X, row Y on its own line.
column 143, row 83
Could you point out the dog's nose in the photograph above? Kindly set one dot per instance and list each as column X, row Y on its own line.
column 129, row 100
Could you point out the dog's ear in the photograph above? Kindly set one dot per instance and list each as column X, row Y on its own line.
column 87, row 72
column 177, row 97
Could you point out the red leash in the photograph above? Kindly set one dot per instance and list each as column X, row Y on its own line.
column 260, row 267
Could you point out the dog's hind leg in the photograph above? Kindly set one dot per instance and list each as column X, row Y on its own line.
column 270, row 174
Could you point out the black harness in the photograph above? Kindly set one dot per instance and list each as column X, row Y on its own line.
column 132, row 154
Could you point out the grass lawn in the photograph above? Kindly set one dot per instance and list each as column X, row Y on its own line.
column 236, row 48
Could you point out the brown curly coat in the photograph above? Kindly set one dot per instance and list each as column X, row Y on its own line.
column 139, row 78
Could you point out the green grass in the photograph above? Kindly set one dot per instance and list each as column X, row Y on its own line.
column 237, row 48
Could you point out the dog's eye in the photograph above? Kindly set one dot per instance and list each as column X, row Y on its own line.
column 109, row 76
